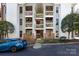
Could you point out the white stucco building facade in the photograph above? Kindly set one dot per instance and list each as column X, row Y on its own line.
column 41, row 20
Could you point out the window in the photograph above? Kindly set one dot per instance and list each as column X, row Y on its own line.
column 49, row 32
column 20, row 9
column 49, row 8
column 49, row 19
column 28, row 31
column 39, row 21
column 28, row 8
column 56, row 9
column 57, row 21
column 28, row 19
column 57, row 34
column 20, row 33
column 20, row 21
column 5, row 40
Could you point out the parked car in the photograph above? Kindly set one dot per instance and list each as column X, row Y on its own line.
column 12, row 44
column 62, row 37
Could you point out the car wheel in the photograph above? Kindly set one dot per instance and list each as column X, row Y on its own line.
column 13, row 49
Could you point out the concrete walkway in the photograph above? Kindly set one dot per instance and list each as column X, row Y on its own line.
column 37, row 45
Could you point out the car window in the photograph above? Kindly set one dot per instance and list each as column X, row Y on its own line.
column 2, row 41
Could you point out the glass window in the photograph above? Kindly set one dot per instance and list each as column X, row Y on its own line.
column 49, row 8
column 56, row 9
column 20, row 9
column 49, row 32
column 3, row 41
column 57, row 21
column 49, row 19
column 20, row 21
column 28, row 19
column 28, row 8
column 20, row 33
column 28, row 31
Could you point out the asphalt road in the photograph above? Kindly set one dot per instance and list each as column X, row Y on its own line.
column 47, row 50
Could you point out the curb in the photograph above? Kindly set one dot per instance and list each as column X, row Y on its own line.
column 60, row 43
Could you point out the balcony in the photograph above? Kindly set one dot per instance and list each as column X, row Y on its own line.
column 40, row 15
column 49, row 12
column 28, row 24
column 49, row 24
column 39, row 25
column 28, row 12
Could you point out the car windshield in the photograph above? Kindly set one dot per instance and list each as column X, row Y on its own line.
column 12, row 39
column 8, row 40
column 3, row 41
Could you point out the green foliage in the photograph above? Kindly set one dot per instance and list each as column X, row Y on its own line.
column 50, row 41
column 6, row 27
column 66, row 24
column 70, row 23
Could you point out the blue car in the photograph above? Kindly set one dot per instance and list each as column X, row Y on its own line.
column 12, row 44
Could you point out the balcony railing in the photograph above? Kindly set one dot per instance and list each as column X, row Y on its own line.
column 39, row 25
column 28, row 12
column 49, row 12
column 28, row 25
column 49, row 25
column 40, row 15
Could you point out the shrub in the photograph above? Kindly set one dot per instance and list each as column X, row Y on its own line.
column 62, row 39
column 50, row 41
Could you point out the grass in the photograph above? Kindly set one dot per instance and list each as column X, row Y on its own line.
column 58, row 40
column 50, row 41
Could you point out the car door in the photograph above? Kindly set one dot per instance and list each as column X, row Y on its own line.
column 3, row 45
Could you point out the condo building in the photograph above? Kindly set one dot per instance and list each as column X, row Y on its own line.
column 39, row 20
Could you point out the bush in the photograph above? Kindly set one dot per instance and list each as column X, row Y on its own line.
column 62, row 39
column 50, row 41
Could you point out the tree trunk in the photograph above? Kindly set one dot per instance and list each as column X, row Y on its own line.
column 72, row 35
column 78, row 33
column 68, row 35
column 7, row 34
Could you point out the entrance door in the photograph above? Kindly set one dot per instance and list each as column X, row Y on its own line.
column 39, row 33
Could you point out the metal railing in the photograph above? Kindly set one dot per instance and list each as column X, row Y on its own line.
column 28, row 25
column 39, row 25
column 28, row 12
column 49, row 12
column 49, row 25
column 40, row 15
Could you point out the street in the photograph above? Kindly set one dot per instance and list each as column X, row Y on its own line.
column 47, row 50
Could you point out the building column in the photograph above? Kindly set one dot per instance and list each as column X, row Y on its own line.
column 44, row 32
column 33, row 22
column 23, row 20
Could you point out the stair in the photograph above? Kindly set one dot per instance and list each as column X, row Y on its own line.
column 38, row 44
column 38, row 40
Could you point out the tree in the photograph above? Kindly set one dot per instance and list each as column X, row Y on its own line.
column 76, row 24
column 5, row 28
column 66, row 24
